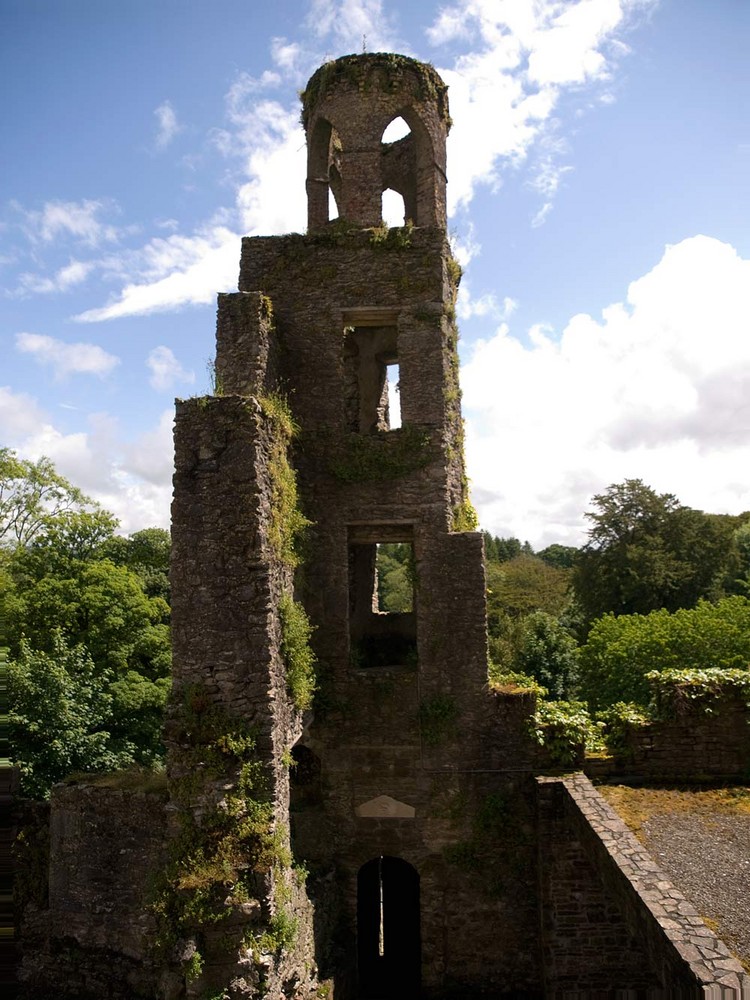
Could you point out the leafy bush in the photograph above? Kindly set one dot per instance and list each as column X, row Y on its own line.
column 678, row 689
column 549, row 654
column 619, row 720
column 565, row 729
column 620, row 652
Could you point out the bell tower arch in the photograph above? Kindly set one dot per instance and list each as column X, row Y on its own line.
column 347, row 106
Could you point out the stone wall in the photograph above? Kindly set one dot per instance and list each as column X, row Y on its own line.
column 704, row 740
column 232, row 719
column 96, row 935
column 610, row 919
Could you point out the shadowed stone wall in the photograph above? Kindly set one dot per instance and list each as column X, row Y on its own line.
column 610, row 919
column 96, row 936
column 705, row 739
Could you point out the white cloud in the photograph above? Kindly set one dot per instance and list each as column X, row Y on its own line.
column 70, row 218
column 505, row 88
column 20, row 415
column 176, row 271
column 165, row 369
column 270, row 140
column 67, row 359
column 657, row 389
column 353, row 25
column 150, row 457
column 132, row 480
column 485, row 305
column 285, row 54
column 540, row 217
column 167, row 124
column 74, row 273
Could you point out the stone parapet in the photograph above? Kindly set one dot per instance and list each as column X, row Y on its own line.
column 611, row 919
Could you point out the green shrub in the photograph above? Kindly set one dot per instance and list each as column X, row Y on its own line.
column 565, row 729
column 619, row 720
column 678, row 690
column 288, row 523
column 621, row 652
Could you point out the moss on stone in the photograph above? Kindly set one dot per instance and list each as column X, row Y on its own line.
column 361, row 71
column 386, row 455
column 288, row 523
column 299, row 658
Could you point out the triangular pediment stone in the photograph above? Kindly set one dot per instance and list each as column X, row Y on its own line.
column 385, row 807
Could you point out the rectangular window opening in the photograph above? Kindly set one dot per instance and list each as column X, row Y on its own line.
column 382, row 603
column 371, row 373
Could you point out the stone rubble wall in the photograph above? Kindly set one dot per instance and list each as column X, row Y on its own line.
column 96, row 936
column 227, row 580
column 610, row 918
column 693, row 744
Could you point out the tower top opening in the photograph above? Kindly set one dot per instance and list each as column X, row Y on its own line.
column 346, row 107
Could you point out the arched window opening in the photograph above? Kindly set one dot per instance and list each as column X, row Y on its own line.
column 320, row 154
column 394, row 209
column 333, row 208
column 388, row 933
column 396, row 130
column 399, row 173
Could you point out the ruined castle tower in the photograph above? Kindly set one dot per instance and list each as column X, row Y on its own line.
column 397, row 741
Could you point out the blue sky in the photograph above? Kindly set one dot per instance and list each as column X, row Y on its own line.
column 599, row 189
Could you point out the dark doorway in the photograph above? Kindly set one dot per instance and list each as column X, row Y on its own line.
column 388, row 942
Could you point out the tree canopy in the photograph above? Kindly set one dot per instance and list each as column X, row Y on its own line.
column 86, row 620
column 647, row 551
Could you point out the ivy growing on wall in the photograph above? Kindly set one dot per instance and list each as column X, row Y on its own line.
column 227, row 847
column 288, row 523
column 375, row 457
column 296, row 651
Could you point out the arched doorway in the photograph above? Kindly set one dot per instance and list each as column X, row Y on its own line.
column 388, row 939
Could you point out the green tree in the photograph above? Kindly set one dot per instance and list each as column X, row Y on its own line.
column 562, row 556
column 515, row 589
column 646, row 551
column 395, row 572
column 549, row 654
column 59, row 711
column 85, row 617
column 526, row 584
column 96, row 604
column 66, row 715
column 31, row 494
column 146, row 553
column 738, row 576
column 620, row 651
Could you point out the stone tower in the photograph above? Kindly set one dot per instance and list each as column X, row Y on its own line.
column 396, row 750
